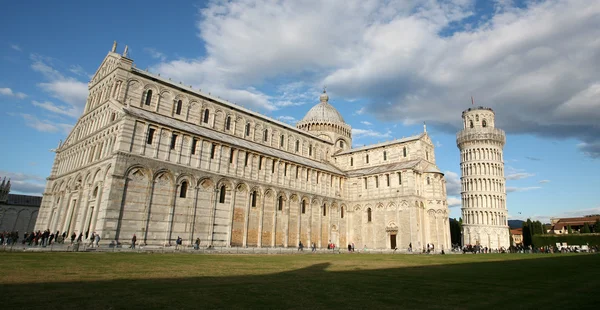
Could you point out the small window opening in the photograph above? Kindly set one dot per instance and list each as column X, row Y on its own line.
column 178, row 109
column 369, row 215
column 222, row 194
column 194, row 143
column 206, row 114
column 148, row 97
column 253, row 199
column 150, row 136
column 173, row 141
column 183, row 190
column 280, row 204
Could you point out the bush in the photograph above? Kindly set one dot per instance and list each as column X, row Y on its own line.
column 551, row 240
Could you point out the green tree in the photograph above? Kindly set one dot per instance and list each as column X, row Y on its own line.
column 569, row 230
column 597, row 226
column 586, row 229
column 527, row 232
column 455, row 231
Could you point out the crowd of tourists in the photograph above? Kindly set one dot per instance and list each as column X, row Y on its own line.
column 46, row 238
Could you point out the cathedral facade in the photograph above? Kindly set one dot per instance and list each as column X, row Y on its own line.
column 160, row 160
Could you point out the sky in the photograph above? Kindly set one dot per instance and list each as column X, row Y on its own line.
column 388, row 66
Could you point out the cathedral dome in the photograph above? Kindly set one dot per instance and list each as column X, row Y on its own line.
column 323, row 112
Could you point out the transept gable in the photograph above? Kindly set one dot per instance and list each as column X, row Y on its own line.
column 111, row 62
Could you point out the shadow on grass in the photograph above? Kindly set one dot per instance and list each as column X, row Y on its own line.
column 565, row 282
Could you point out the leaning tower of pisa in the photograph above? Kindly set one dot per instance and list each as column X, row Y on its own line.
column 483, row 193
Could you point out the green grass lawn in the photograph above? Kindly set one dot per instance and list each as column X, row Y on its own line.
column 176, row 281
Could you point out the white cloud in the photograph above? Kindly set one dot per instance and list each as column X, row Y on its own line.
column 454, row 202
column 453, row 187
column 8, row 92
column 545, row 218
column 24, row 183
column 78, row 70
column 366, row 123
column 411, row 61
column 438, row 144
column 64, row 110
column 519, row 176
column 66, row 89
column 16, row 47
column 155, row 54
column 544, row 181
column 512, row 189
column 45, row 125
column 360, row 133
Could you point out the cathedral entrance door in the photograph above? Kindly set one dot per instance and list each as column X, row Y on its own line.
column 392, row 241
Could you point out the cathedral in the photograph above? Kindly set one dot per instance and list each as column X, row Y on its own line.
column 161, row 160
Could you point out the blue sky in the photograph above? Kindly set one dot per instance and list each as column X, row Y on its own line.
column 388, row 67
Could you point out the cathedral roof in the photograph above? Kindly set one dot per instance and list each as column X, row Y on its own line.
column 323, row 112
column 384, row 168
column 232, row 140
column 433, row 169
column 382, row 144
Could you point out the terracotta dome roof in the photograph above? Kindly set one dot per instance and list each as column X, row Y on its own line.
column 323, row 112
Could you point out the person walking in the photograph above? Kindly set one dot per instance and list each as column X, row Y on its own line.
column 197, row 244
column 300, row 246
column 73, row 236
column 133, row 240
column 178, row 243
column 97, row 239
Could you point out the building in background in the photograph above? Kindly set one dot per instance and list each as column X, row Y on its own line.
column 17, row 212
column 483, row 190
column 161, row 160
column 561, row 225
column 517, row 236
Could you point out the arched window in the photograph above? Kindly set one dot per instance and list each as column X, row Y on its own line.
column 342, row 212
column 178, row 108
column 281, row 140
column 222, row 194
column 297, row 145
column 351, row 161
column 427, row 155
column 247, row 129
column 471, row 124
column 369, row 215
column 183, row 190
column 228, row 123
column 253, row 198
column 148, row 97
column 404, row 151
column 477, row 118
column 384, row 155
column 367, row 158
column 483, row 123
column 266, row 135
column 428, row 181
column 324, row 210
column 280, row 204
column 341, row 143
column 206, row 114
column 95, row 192
column 112, row 117
column 303, row 206
column 310, row 150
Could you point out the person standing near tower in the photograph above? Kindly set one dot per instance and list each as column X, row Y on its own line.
column 483, row 191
